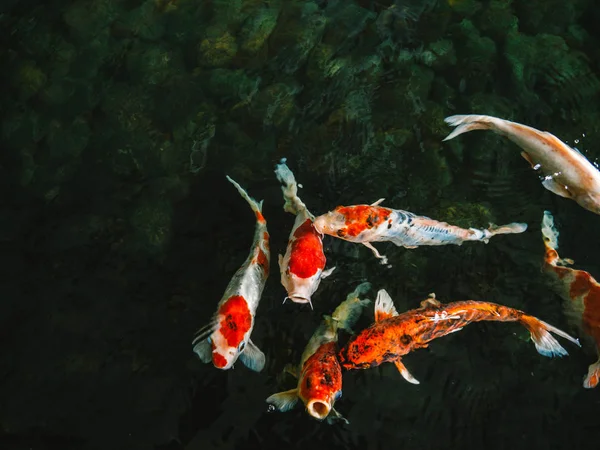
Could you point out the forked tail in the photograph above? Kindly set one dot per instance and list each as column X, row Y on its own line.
column 348, row 312
column 466, row 123
column 544, row 342
column 549, row 231
column 289, row 187
column 485, row 234
column 256, row 206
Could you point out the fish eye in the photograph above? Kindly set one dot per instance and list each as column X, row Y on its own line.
column 338, row 395
column 341, row 232
column 209, row 340
column 242, row 346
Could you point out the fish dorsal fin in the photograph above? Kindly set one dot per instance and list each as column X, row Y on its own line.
column 377, row 202
column 431, row 302
column 384, row 306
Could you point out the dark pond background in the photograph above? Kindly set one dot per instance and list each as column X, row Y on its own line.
column 119, row 232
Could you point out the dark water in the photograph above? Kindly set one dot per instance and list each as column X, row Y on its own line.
column 119, row 231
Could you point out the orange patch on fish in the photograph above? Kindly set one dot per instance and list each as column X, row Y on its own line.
column 362, row 217
column 307, row 255
column 321, row 374
column 263, row 261
column 260, row 217
column 237, row 320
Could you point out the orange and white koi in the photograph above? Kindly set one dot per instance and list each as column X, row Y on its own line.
column 319, row 374
column 373, row 223
column 394, row 335
column 303, row 265
column 227, row 337
column 580, row 292
column 565, row 171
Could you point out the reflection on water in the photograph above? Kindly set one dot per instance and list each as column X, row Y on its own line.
column 120, row 232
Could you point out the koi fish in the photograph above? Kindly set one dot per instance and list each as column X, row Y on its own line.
column 566, row 172
column 319, row 373
column 373, row 223
column 580, row 292
column 302, row 266
column 227, row 337
column 394, row 335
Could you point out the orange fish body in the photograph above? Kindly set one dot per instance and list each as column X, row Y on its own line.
column 227, row 337
column 320, row 374
column 303, row 266
column 566, row 172
column 394, row 335
column 580, row 292
column 373, row 223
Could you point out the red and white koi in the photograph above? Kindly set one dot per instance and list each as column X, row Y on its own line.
column 580, row 292
column 319, row 373
column 303, row 265
column 394, row 335
column 565, row 171
column 227, row 337
column 373, row 223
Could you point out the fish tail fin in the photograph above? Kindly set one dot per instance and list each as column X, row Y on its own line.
column 466, row 123
column 348, row 312
column 544, row 342
column 255, row 205
column 289, row 187
column 549, row 231
column 511, row 228
column 593, row 376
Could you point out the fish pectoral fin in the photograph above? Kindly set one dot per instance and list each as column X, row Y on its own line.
column 384, row 306
column 252, row 357
column 383, row 258
column 334, row 415
column 291, row 369
column 327, row 272
column 280, row 262
column 377, row 202
column 404, row 372
column 555, row 187
column 527, row 158
column 203, row 350
column 284, row 401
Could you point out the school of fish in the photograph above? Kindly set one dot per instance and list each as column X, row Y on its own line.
column 392, row 335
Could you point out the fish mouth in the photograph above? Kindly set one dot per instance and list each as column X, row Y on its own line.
column 298, row 298
column 318, row 409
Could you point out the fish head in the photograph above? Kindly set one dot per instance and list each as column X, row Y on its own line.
column 229, row 340
column 300, row 290
column 332, row 223
column 321, row 381
column 590, row 201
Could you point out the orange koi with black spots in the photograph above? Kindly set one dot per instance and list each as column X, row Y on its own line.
column 227, row 337
column 394, row 335
column 303, row 266
column 580, row 292
column 319, row 373
column 373, row 223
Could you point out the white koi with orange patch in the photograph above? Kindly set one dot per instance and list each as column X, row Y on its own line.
column 303, row 266
column 373, row 223
column 580, row 293
column 227, row 337
column 566, row 172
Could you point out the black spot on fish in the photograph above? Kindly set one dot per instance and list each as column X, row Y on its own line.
column 327, row 379
column 406, row 339
column 389, row 225
column 308, row 383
